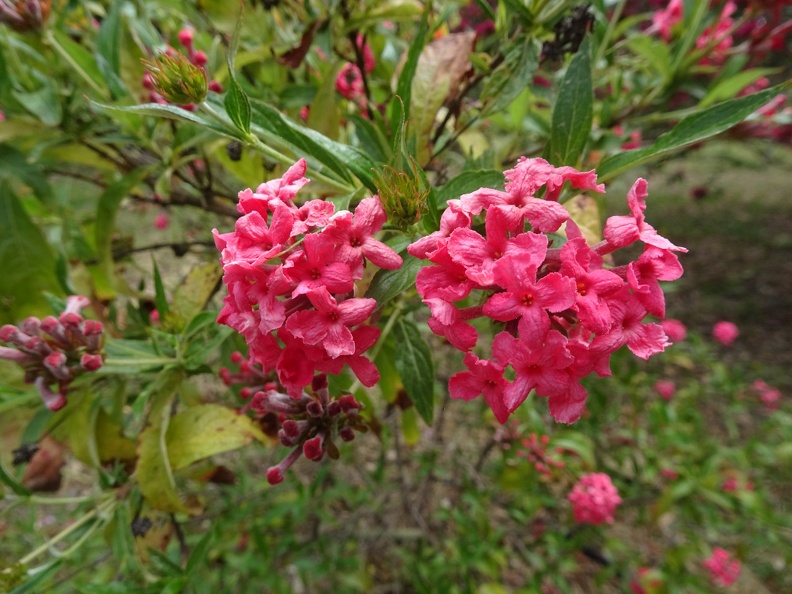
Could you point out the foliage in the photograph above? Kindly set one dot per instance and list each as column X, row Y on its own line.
column 129, row 130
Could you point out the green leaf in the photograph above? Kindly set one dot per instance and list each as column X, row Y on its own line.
column 654, row 52
column 468, row 181
column 131, row 357
column 29, row 267
column 107, row 207
column 400, row 107
column 79, row 58
column 339, row 158
column 14, row 164
column 193, row 293
column 387, row 284
column 237, row 106
column 108, row 50
column 573, row 112
column 205, row 430
column 691, row 129
column 728, row 88
column 511, row 78
column 9, row 481
column 44, row 103
column 199, row 553
column 153, row 471
column 173, row 112
column 415, row 366
column 160, row 300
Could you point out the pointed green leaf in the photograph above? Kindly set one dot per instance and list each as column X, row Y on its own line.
column 573, row 112
column 29, row 265
column 691, row 129
column 237, row 106
column 387, row 284
column 415, row 366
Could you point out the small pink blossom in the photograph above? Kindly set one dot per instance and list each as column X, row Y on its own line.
column 665, row 388
column 725, row 332
column 594, row 499
column 669, row 473
column 664, row 20
column 723, row 569
column 674, row 329
column 161, row 221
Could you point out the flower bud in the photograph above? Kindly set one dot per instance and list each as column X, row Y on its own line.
column 23, row 15
column 313, row 449
column 177, row 79
column 274, row 475
column 91, row 362
column 403, row 194
column 186, row 38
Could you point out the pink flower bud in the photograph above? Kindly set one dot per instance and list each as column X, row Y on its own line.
column 75, row 303
column 274, row 475
column 186, row 38
column 313, row 449
column 199, row 59
column 346, row 433
column 91, row 362
column 348, row 403
column 55, row 363
column 315, row 408
column 215, row 87
column 31, row 326
column 161, row 222
column 725, row 333
column 70, row 320
column 14, row 356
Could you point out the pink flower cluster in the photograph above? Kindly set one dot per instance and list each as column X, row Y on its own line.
column 309, row 423
column 716, row 39
column 563, row 312
column 349, row 82
column 723, row 569
column 594, row 499
column 197, row 57
column 55, row 350
column 769, row 395
column 291, row 272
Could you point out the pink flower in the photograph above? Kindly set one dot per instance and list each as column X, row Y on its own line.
column 354, row 237
column 674, row 329
column 665, row 388
column 769, row 396
column 664, row 20
column 725, row 332
column 669, row 473
column 329, row 324
column 723, row 569
column 483, row 377
column 349, row 82
column 161, row 221
column 594, row 499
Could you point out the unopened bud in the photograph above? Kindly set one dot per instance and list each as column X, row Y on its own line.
column 348, row 403
column 315, row 408
column 274, row 475
column 91, row 362
column 31, row 326
column 23, row 15
column 186, row 38
column 215, row 87
column 346, row 433
column 313, row 449
column 75, row 303
column 53, row 401
column 199, row 58
column 403, row 194
column 177, row 79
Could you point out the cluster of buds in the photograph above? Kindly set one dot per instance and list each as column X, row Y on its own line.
column 770, row 396
column 594, row 499
column 291, row 272
column 534, row 449
column 173, row 77
column 564, row 313
column 55, row 350
column 309, row 423
column 403, row 194
column 23, row 15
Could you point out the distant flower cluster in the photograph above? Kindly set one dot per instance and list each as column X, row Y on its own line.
column 54, row 351
column 594, row 499
column 564, row 313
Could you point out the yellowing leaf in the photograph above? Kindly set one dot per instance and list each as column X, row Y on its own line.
column 441, row 67
column 154, row 473
column 202, row 431
column 191, row 296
